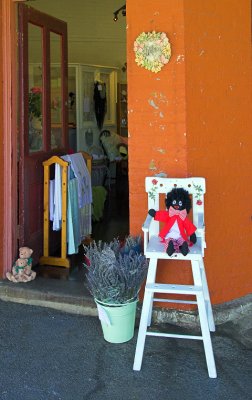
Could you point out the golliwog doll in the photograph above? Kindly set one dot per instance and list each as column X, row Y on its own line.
column 178, row 232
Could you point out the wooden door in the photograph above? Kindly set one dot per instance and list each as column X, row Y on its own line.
column 43, row 114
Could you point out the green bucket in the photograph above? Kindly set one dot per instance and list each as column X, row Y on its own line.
column 117, row 320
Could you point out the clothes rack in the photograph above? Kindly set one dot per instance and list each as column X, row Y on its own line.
column 63, row 260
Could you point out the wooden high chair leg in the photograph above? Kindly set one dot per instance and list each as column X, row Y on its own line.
column 150, row 310
column 206, row 337
column 151, row 278
column 145, row 316
column 208, row 304
column 203, row 318
column 142, row 330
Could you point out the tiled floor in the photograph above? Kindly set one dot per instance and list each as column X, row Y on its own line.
column 115, row 223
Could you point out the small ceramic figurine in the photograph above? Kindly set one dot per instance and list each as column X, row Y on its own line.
column 22, row 268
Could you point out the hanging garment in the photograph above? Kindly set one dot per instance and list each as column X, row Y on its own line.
column 57, row 199
column 73, row 217
column 81, row 172
column 79, row 201
column 85, row 221
column 89, row 137
column 100, row 102
column 51, row 198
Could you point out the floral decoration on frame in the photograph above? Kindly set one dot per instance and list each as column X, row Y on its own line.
column 153, row 190
column 152, row 50
column 199, row 193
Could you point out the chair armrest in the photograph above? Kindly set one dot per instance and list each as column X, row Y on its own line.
column 146, row 225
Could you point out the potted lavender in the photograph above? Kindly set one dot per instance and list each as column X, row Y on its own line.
column 114, row 278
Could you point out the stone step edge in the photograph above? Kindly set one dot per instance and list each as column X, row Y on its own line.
column 223, row 313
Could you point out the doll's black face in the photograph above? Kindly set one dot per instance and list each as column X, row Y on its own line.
column 177, row 204
column 179, row 199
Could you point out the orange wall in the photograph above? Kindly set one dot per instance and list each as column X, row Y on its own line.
column 193, row 118
column 1, row 147
column 156, row 101
column 219, row 135
column 156, row 107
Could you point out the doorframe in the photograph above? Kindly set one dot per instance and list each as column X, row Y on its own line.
column 30, row 165
column 9, row 41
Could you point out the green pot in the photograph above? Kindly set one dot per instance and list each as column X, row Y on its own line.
column 117, row 320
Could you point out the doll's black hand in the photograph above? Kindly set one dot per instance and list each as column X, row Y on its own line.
column 152, row 212
column 193, row 238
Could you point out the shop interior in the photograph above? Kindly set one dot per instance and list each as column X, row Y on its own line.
column 96, row 60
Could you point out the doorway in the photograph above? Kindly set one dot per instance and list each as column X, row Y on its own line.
column 95, row 48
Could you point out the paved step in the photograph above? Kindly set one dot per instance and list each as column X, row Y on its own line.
column 65, row 295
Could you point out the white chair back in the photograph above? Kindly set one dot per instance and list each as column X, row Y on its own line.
column 196, row 187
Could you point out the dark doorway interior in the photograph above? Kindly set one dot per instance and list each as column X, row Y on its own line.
column 115, row 220
column 114, row 224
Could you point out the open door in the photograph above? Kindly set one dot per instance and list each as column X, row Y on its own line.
column 43, row 126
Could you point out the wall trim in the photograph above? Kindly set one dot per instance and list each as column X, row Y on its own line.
column 9, row 135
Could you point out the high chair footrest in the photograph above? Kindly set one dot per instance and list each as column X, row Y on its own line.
column 173, row 289
column 174, row 335
column 165, row 300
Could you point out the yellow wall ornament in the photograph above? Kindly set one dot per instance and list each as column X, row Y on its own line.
column 152, row 50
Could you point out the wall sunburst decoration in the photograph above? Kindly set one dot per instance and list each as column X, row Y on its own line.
column 152, row 50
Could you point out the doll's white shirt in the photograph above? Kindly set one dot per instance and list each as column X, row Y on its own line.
column 174, row 232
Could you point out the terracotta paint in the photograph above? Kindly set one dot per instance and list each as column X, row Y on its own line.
column 1, row 147
column 219, row 136
column 8, row 151
column 204, row 94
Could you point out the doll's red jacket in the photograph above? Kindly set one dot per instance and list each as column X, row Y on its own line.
column 186, row 227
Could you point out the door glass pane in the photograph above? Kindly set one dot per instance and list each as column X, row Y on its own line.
column 56, row 92
column 35, row 86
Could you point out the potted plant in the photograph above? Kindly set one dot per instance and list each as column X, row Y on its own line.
column 114, row 278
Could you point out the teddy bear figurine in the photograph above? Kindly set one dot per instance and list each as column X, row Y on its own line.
column 18, row 274
column 178, row 232
column 25, row 253
column 22, row 268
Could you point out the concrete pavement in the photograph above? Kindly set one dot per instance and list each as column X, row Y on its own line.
column 48, row 354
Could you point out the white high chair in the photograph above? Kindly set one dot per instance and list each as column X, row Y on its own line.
column 154, row 250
